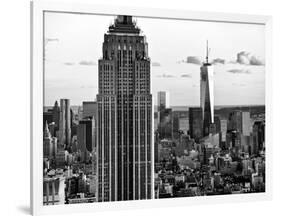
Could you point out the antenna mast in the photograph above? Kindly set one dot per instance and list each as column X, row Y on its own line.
column 207, row 53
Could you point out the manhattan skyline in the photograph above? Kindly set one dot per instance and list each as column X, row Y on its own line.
column 117, row 146
column 72, row 49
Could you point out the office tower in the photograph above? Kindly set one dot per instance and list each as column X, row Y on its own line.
column 223, row 130
column 217, row 122
column 156, row 120
column 124, row 121
column 89, row 109
column 56, row 114
column 235, row 121
column 163, row 98
column 86, row 136
column 47, row 117
column 195, row 123
column 49, row 143
column 166, row 124
column 184, row 125
column 64, row 123
column 207, row 94
column 246, row 123
column 258, row 136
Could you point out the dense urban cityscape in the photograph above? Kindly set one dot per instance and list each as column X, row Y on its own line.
column 122, row 147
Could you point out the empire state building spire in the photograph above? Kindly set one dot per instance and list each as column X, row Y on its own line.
column 124, row 120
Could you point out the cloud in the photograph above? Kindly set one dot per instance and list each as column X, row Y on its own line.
column 186, row 76
column 239, row 71
column 69, row 63
column 155, row 64
column 218, row 61
column 87, row 63
column 194, row 60
column 239, row 84
column 248, row 58
column 47, row 40
column 165, row 76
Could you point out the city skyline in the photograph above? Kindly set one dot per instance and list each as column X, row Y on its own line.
column 118, row 147
column 235, row 82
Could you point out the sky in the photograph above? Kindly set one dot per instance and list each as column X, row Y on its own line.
column 73, row 45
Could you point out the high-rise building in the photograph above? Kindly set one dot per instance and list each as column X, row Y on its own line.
column 124, row 120
column 184, row 125
column 64, row 123
column 86, row 135
column 235, row 121
column 163, row 98
column 56, row 114
column 195, row 123
column 49, row 143
column 246, row 123
column 207, row 94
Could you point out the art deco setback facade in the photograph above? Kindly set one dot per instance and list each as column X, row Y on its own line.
column 124, row 122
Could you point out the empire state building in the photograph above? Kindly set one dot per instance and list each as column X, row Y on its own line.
column 124, row 121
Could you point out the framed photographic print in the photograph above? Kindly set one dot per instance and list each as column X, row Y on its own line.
column 147, row 108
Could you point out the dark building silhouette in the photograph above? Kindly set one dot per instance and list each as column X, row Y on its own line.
column 86, row 134
column 195, row 123
column 56, row 114
column 124, row 120
column 65, row 123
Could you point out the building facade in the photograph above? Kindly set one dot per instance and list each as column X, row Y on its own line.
column 64, row 123
column 207, row 94
column 163, row 98
column 124, row 120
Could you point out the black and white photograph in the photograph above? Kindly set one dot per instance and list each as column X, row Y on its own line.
column 139, row 108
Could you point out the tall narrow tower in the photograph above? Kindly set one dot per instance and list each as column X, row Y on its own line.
column 207, row 94
column 124, row 120
column 64, row 123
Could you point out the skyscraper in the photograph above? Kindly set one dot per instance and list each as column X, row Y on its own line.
column 195, row 123
column 64, row 123
column 163, row 100
column 86, row 135
column 124, row 120
column 49, row 143
column 56, row 114
column 207, row 94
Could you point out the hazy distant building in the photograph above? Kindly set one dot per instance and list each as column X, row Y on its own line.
column 195, row 123
column 163, row 100
column 223, row 131
column 90, row 109
column 235, row 121
column 124, row 121
column 165, row 127
column 207, row 95
column 246, row 123
column 64, row 123
column 184, row 125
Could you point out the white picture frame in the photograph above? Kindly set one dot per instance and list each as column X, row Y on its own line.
column 37, row 10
